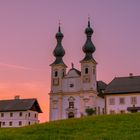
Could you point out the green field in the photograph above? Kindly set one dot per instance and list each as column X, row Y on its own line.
column 106, row 127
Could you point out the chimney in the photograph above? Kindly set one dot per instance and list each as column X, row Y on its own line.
column 131, row 75
column 17, row 97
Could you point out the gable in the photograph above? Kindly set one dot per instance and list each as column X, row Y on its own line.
column 19, row 105
column 73, row 73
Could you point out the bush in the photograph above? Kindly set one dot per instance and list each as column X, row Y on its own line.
column 90, row 111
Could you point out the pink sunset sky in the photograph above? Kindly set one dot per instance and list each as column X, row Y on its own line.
column 27, row 40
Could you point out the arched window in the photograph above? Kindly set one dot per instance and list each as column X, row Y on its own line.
column 71, row 104
column 86, row 70
column 56, row 73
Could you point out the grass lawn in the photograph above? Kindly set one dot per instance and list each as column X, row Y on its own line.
column 106, row 127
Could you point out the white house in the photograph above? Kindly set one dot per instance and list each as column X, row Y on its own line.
column 122, row 95
column 19, row 112
column 74, row 91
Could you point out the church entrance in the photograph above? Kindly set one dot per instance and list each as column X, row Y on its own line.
column 70, row 115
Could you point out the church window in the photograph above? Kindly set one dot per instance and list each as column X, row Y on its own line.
column 71, row 104
column 71, row 85
column 56, row 73
column 86, row 70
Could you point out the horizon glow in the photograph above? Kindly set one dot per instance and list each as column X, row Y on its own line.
column 27, row 40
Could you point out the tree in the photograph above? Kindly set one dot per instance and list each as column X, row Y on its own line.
column 90, row 111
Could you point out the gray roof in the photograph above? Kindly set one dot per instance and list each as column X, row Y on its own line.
column 125, row 85
column 19, row 105
column 101, row 86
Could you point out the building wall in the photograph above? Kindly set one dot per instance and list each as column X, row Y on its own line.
column 27, row 118
column 54, row 108
column 117, row 107
column 88, row 79
column 100, row 107
column 82, row 100
column 71, row 84
column 65, row 105
column 81, row 88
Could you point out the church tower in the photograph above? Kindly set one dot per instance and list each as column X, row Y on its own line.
column 88, row 64
column 58, row 67
column 58, row 71
column 74, row 92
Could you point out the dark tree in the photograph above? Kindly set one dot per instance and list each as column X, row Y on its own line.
column 90, row 111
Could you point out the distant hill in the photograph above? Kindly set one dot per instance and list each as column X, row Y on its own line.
column 106, row 127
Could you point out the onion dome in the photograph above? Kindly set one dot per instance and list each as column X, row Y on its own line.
column 59, row 35
column 88, row 47
column 89, row 30
column 59, row 51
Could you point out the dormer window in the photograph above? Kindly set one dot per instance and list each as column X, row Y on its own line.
column 86, row 70
column 56, row 73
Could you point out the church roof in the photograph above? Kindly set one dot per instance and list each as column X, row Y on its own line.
column 77, row 71
column 19, row 105
column 123, row 85
column 73, row 72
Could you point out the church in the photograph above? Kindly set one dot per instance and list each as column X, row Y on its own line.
column 75, row 91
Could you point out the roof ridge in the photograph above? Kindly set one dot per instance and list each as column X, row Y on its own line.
column 19, row 99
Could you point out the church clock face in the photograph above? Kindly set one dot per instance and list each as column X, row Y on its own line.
column 86, row 79
column 56, row 81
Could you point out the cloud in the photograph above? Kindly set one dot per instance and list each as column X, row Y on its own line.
column 17, row 67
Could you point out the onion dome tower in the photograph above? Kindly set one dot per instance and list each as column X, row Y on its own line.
column 59, row 51
column 88, row 47
column 88, row 64
column 58, row 67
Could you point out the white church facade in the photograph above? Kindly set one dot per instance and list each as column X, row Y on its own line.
column 74, row 91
